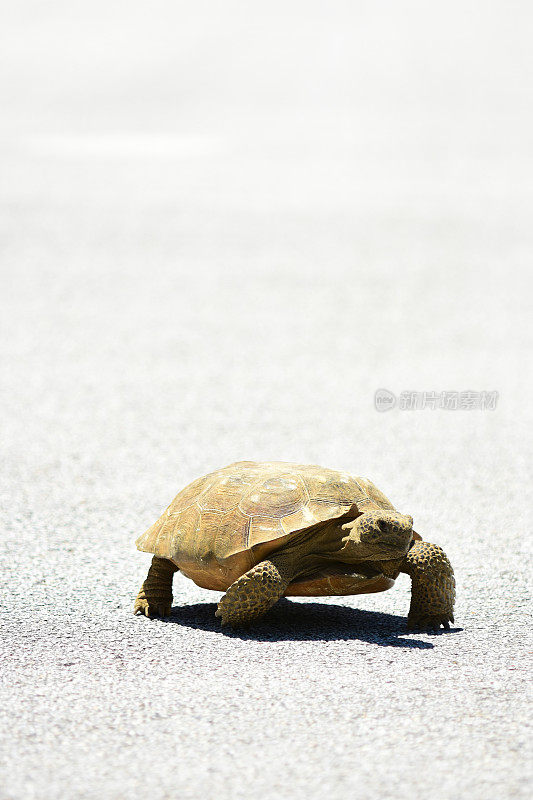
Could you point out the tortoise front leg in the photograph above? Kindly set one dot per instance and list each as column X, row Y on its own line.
column 433, row 586
column 155, row 597
column 251, row 595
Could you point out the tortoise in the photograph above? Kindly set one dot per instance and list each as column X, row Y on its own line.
column 261, row 531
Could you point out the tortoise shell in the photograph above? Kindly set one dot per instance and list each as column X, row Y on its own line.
column 224, row 523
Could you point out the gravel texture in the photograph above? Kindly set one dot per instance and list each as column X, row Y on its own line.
column 223, row 228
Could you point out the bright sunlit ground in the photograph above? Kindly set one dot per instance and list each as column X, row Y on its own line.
column 223, row 228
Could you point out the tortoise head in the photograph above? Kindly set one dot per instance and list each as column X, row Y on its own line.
column 378, row 535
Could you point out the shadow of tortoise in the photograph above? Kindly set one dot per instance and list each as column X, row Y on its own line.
column 293, row 621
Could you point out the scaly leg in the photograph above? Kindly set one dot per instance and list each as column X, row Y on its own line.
column 256, row 591
column 155, row 597
column 433, row 586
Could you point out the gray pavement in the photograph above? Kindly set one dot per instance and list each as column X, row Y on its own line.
column 223, row 228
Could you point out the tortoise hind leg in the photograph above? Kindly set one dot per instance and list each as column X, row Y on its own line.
column 251, row 595
column 155, row 596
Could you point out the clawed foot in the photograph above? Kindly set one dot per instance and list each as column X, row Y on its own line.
column 228, row 616
column 155, row 597
column 432, row 622
column 433, row 587
column 153, row 607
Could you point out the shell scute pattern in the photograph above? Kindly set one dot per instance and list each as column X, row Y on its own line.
column 232, row 534
column 274, row 497
column 375, row 494
column 225, row 494
column 331, row 487
column 302, row 518
column 165, row 533
column 244, row 504
column 264, row 529
column 190, row 494
column 184, row 534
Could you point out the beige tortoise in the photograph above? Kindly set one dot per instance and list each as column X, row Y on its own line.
column 261, row 531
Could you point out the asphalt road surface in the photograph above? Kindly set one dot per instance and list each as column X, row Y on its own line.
column 223, row 229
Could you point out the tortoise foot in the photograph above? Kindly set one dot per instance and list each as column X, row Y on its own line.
column 433, row 587
column 432, row 622
column 151, row 608
column 155, row 597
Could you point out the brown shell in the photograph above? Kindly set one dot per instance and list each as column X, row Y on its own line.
column 213, row 528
